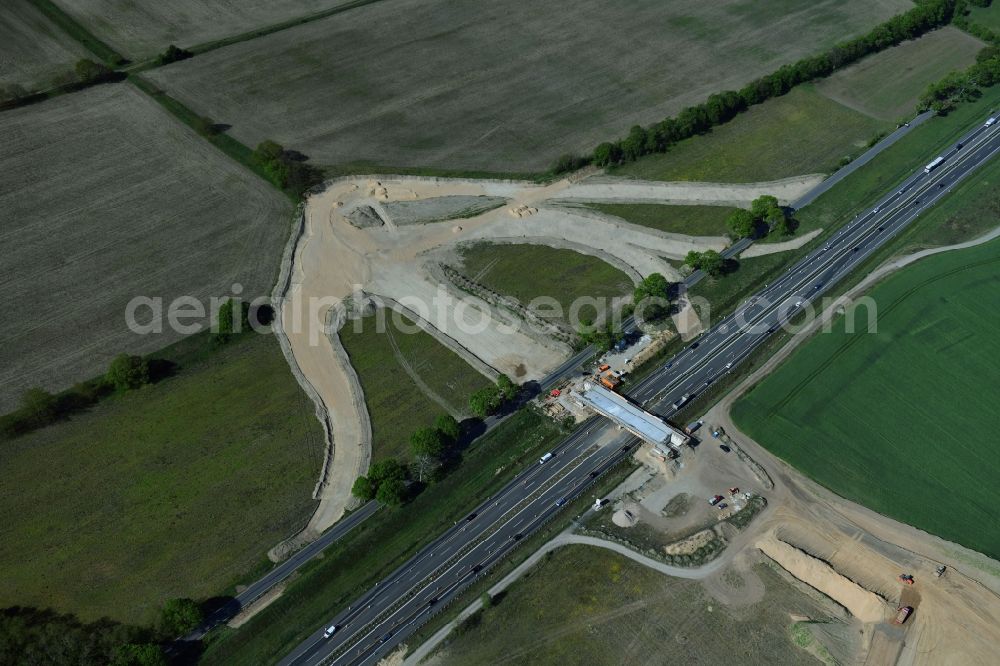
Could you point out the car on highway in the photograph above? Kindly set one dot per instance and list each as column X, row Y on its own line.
column 330, row 631
column 547, row 457
column 729, row 365
column 385, row 638
column 470, row 517
column 560, row 501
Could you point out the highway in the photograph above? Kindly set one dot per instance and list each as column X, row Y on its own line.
column 392, row 610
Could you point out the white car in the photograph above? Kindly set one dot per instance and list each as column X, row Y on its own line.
column 798, row 303
column 330, row 631
column 729, row 365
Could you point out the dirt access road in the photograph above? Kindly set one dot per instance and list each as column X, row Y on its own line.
column 337, row 265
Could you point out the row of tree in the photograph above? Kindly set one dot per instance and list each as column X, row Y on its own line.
column 126, row 372
column 431, row 449
column 962, row 20
column 957, row 87
column 722, row 107
column 40, row 408
column 709, row 261
column 42, row 636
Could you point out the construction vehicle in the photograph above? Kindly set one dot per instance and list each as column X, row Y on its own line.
column 902, row 613
column 603, row 366
column 906, row 578
column 610, row 381
column 940, row 571
column 692, row 427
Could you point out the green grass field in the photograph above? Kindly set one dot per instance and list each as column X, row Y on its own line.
column 397, row 403
column 177, row 489
column 799, row 133
column 862, row 188
column 526, row 272
column 687, row 220
column 903, row 421
column 987, row 16
column 588, row 605
column 382, row 543
column 888, row 85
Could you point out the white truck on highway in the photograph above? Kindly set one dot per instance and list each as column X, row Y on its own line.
column 934, row 164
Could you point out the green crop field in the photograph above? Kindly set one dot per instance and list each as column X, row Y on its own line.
column 799, row 133
column 409, row 378
column 35, row 53
column 459, row 84
column 687, row 220
column 589, row 605
column 174, row 490
column 526, row 272
column 888, row 85
column 903, row 421
column 107, row 197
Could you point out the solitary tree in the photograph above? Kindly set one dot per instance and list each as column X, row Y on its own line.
column 487, row 600
column 181, row 616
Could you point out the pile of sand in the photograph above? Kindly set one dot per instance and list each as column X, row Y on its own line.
column 522, row 211
column 862, row 604
column 625, row 517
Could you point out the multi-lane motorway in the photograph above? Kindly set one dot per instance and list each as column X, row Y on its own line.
column 392, row 610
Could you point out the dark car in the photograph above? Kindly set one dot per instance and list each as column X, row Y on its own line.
column 724, row 448
column 695, row 345
column 386, row 637
column 471, row 516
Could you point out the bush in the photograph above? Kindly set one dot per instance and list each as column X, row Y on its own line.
column 89, row 71
column 284, row 169
column 128, row 372
column 173, row 54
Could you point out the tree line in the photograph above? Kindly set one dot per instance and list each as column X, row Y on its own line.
column 126, row 372
column 433, row 449
column 44, row 636
column 964, row 86
column 723, row 107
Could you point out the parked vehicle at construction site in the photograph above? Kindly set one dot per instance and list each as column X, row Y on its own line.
column 902, row 614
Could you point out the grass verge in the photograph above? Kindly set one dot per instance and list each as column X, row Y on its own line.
column 581, row 601
column 687, row 220
column 798, row 133
column 382, row 543
column 72, row 28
